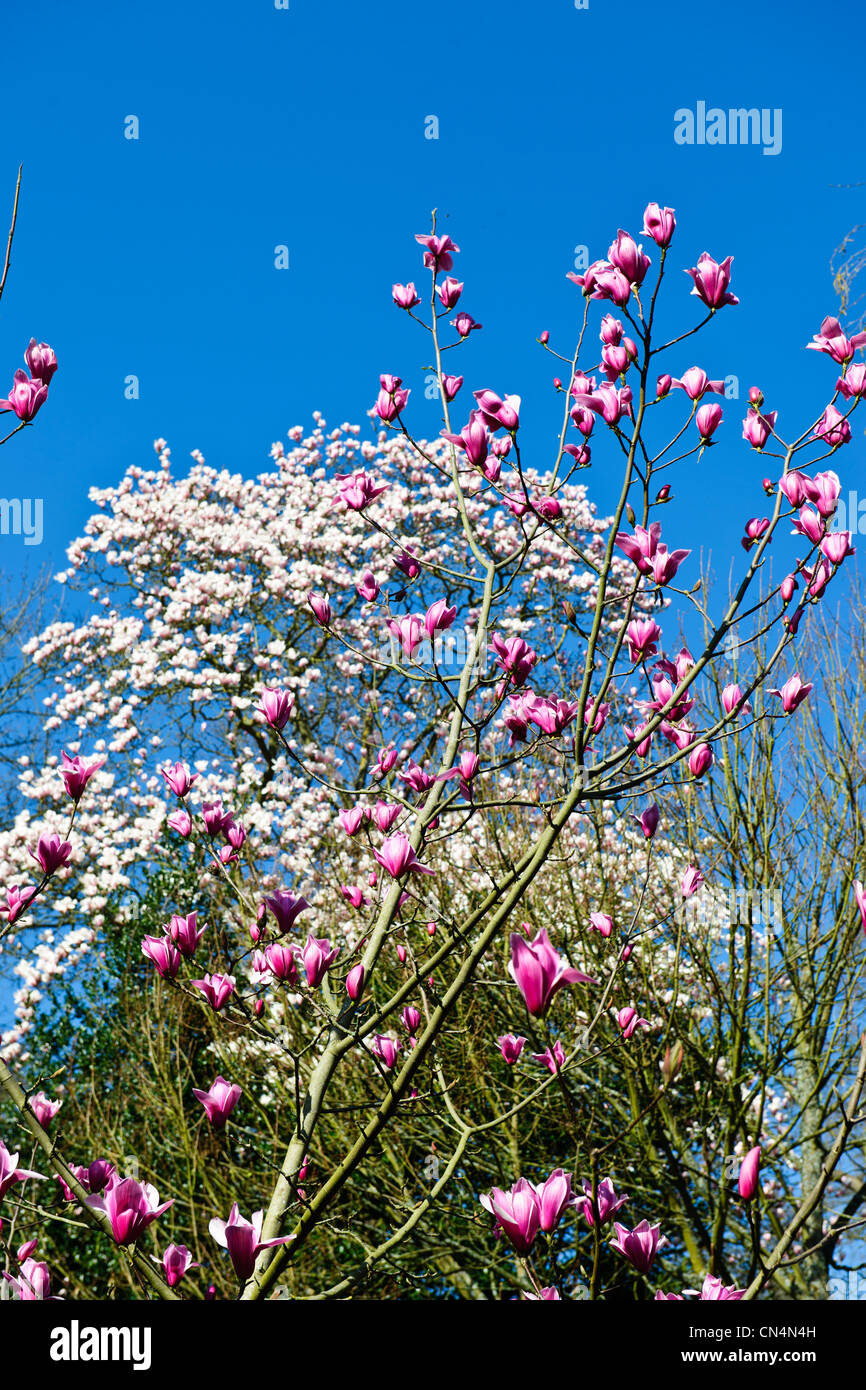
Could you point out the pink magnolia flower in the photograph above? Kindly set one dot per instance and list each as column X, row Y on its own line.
column 517, row 1213
column 539, row 971
column 554, row 1197
column 276, row 706
column 642, row 636
column 385, row 815
column 649, row 821
column 833, row 428
column 18, row 897
column 659, row 223
column 358, row 490
column 788, row 587
column 747, row 1183
column 547, row 1295
column 837, row 547
column 130, row 1207
column 450, row 386
column 692, row 880
column 406, row 563
column 713, row 1289
column 498, row 412
column 732, row 699
column 383, row 1046
column 825, row 489
column 638, row 1246
column 185, row 933
column 629, row 258
column 511, row 1045
column 798, row 487
column 93, row 1178
column 41, row 359
column 353, row 819
column 178, row 778
column 607, row 1201
column 217, row 989
column 628, row 1021
column 405, row 296
column 321, row 606
column 43, row 1108
column 696, row 383
column 758, row 428
column 665, row 566
column 216, row 818
column 181, row 821
column 318, row 955
column 711, row 279
column 554, row 716
column 282, row 961
column 602, row 922
column 10, row 1172
column 176, row 1262
column 515, row 657
column 407, row 630
column 860, row 899
column 473, row 439
column 285, row 909
column 33, row 1283
column 411, row 1019
column 809, row 524
column 641, row 547
column 243, row 1239
column 397, row 857
column 51, row 853
column 164, row 954
column 219, row 1101
column 368, row 589
column 76, row 773
column 355, row 982
column 391, row 400
column 437, row 254
column 833, row 341
column 792, row 693
column 439, row 617
column 27, row 396
column 701, row 759
column 853, row 383
column 465, row 324
column 708, row 419
column 553, row 1060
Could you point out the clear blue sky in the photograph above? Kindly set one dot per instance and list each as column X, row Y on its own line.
column 306, row 127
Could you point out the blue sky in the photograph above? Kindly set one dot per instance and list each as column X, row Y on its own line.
column 305, row 127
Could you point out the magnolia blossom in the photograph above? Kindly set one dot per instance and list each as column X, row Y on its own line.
column 243, row 1239
column 607, row 1201
column 638, row 1246
column 511, row 1046
column 176, row 1262
column 747, row 1183
column 398, row 858
column 130, row 1207
column 539, row 971
column 43, row 1108
column 219, row 1101
column 33, row 1283
column 792, row 694
column 10, row 1172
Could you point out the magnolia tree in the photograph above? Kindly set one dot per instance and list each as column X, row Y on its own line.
column 410, row 726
